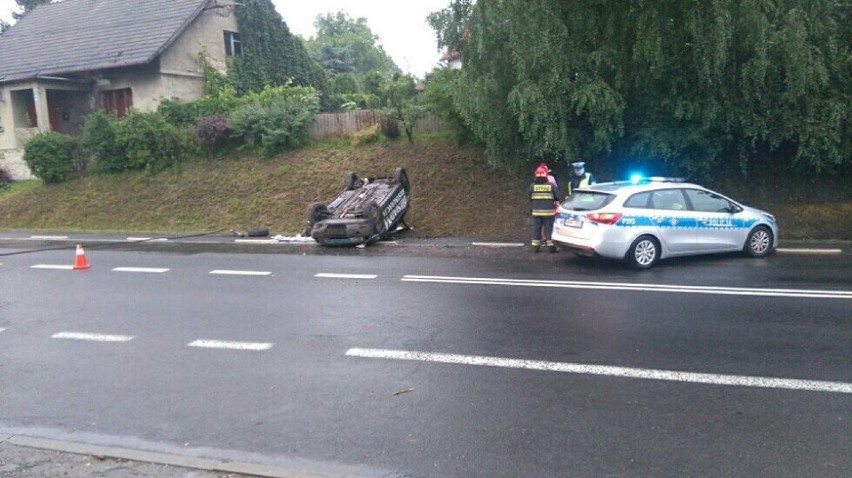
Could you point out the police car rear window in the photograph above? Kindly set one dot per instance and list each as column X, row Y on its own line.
column 587, row 201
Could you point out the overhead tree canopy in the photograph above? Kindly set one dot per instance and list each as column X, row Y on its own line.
column 691, row 83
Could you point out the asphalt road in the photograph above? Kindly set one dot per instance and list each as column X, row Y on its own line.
column 426, row 358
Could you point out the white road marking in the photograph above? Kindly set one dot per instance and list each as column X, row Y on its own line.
column 219, row 344
column 51, row 266
column 2, row 329
column 147, row 239
column 50, row 238
column 606, row 370
column 498, row 244
column 92, row 337
column 151, row 270
column 814, row 294
column 808, row 251
column 256, row 241
column 346, row 276
column 240, row 273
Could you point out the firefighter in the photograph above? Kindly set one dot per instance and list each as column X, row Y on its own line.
column 579, row 177
column 543, row 194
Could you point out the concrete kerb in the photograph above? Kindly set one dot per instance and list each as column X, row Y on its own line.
column 142, row 456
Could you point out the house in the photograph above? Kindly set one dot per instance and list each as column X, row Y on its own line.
column 451, row 59
column 63, row 60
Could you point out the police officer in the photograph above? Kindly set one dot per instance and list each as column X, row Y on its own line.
column 579, row 177
column 542, row 194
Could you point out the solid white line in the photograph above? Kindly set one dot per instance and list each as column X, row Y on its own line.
column 49, row 237
column 808, row 251
column 152, row 270
column 256, row 241
column 346, row 276
column 218, row 344
column 821, row 294
column 240, row 273
column 606, row 370
column 49, row 266
column 92, row 337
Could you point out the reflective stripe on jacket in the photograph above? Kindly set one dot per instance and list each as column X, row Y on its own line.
column 542, row 197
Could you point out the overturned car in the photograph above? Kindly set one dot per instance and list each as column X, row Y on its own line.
column 367, row 210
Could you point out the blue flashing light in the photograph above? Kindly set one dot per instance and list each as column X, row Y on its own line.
column 636, row 178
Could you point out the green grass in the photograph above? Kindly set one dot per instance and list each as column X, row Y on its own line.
column 454, row 191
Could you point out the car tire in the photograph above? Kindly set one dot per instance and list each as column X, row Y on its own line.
column 373, row 213
column 352, row 181
column 316, row 212
column 257, row 233
column 401, row 177
column 759, row 242
column 643, row 253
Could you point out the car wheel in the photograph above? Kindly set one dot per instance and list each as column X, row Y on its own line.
column 643, row 253
column 352, row 181
column 401, row 177
column 373, row 213
column 759, row 242
column 317, row 211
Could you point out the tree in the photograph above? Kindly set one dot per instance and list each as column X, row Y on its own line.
column 272, row 56
column 3, row 26
column 26, row 6
column 344, row 45
column 689, row 83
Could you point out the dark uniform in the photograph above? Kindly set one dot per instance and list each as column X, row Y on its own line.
column 543, row 198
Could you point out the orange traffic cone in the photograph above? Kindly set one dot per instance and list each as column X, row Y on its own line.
column 80, row 262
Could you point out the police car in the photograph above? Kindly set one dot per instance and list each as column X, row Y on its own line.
column 647, row 219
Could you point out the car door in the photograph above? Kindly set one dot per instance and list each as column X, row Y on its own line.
column 716, row 229
column 674, row 220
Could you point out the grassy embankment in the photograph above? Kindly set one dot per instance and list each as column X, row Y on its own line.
column 454, row 194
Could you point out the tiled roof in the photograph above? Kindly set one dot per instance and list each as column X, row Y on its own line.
column 81, row 35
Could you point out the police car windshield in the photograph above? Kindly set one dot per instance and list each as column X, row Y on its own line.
column 587, row 201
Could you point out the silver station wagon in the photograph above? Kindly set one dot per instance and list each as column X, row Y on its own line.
column 643, row 221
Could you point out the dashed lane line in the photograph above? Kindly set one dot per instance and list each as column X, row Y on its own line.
column 812, row 294
column 220, row 344
column 92, row 337
column 346, row 276
column 52, row 266
column 149, row 270
column 789, row 250
column 240, row 273
column 606, row 370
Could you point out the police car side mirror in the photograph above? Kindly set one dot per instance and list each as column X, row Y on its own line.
column 734, row 209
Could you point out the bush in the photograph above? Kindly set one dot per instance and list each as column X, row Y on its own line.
column 180, row 113
column 276, row 118
column 367, row 135
column 5, row 178
column 213, row 132
column 98, row 143
column 390, row 127
column 150, row 143
column 53, row 157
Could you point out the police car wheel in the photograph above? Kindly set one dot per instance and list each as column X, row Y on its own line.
column 643, row 253
column 759, row 242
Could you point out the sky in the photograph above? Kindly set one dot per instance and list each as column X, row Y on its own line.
column 400, row 25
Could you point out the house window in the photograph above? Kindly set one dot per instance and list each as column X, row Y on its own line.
column 233, row 47
column 117, row 102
